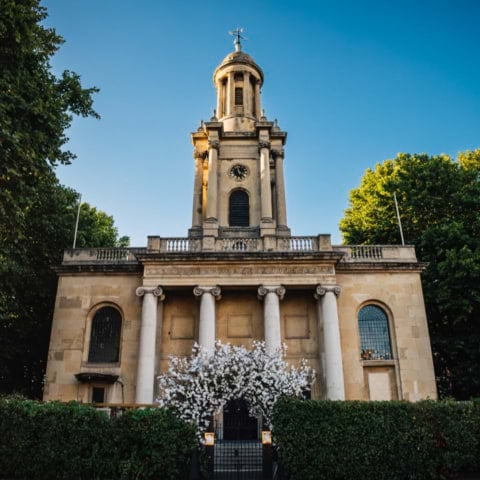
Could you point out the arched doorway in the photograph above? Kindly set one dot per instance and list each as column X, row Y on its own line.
column 237, row 422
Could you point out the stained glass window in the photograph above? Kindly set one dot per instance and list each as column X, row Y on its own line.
column 374, row 334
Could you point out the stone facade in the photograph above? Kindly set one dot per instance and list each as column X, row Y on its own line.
column 239, row 276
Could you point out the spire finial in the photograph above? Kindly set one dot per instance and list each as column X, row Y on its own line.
column 237, row 33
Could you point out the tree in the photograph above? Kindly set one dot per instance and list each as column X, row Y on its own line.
column 36, row 109
column 198, row 386
column 97, row 229
column 37, row 214
column 439, row 200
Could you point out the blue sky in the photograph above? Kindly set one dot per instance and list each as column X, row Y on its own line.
column 352, row 82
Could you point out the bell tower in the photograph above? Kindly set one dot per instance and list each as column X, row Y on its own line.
column 239, row 188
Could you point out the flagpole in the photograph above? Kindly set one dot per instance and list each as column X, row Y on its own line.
column 398, row 218
column 76, row 223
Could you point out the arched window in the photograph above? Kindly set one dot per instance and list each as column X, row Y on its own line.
column 105, row 336
column 239, row 209
column 374, row 334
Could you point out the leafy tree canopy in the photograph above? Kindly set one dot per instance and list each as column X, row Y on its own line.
column 439, row 200
column 37, row 214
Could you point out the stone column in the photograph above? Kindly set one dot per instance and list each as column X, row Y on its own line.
column 148, row 335
column 271, row 314
column 247, row 92
column 206, row 330
column 230, row 100
column 219, row 99
column 265, row 186
column 258, row 108
column 280, row 190
column 213, row 147
column 197, row 189
column 327, row 311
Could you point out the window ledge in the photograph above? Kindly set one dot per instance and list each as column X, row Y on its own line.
column 101, row 364
column 378, row 363
column 92, row 377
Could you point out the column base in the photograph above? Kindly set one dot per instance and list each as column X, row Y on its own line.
column 283, row 231
column 210, row 227
column 195, row 232
column 267, row 227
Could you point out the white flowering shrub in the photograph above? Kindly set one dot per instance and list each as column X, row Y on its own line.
column 200, row 385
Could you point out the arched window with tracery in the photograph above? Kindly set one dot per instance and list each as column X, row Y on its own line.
column 375, row 343
column 105, row 336
column 239, row 209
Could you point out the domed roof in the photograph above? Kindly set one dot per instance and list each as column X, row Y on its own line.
column 239, row 57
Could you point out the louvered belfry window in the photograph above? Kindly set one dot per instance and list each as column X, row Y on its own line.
column 239, row 209
column 238, row 96
column 105, row 336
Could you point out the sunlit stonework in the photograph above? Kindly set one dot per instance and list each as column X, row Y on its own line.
column 240, row 276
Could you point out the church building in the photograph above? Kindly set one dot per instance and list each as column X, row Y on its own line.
column 355, row 312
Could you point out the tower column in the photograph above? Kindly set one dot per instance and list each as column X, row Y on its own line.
column 271, row 314
column 206, row 330
column 258, row 108
column 197, row 189
column 280, row 190
column 230, row 100
column 213, row 147
column 219, row 99
column 328, row 313
column 265, row 186
column 148, row 336
column 247, row 92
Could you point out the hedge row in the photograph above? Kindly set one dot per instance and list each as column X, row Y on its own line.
column 380, row 440
column 75, row 442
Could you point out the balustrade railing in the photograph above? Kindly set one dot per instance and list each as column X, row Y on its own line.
column 301, row 244
column 367, row 251
column 377, row 253
column 102, row 255
column 239, row 244
column 180, row 244
column 185, row 245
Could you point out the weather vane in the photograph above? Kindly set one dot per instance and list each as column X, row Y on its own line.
column 237, row 33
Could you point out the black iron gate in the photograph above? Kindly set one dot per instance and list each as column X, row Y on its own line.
column 238, row 453
column 237, row 422
column 238, row 459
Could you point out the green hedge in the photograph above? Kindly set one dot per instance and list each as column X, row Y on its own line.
column 71, row 441
column 380, row 440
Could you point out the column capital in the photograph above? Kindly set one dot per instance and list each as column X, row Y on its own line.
column 279, row 290
column 155, row 291
column 278, row 152
column 213, row 144
column 263, row 144
column 215, row 291
column 321, row 290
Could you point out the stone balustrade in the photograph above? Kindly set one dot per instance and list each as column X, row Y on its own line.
column 377, row 253
column 186, row 246
column 101, row 255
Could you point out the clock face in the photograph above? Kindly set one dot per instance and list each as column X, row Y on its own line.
column 239, row 172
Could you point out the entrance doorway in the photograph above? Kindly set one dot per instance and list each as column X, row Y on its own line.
column 237, row 422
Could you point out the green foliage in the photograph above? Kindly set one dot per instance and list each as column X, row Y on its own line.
column 439, row 201
column 73, row 441
column 151, row 444
column 382, row 440
column 97, row 229
column 37, row 214
column 50, row 441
